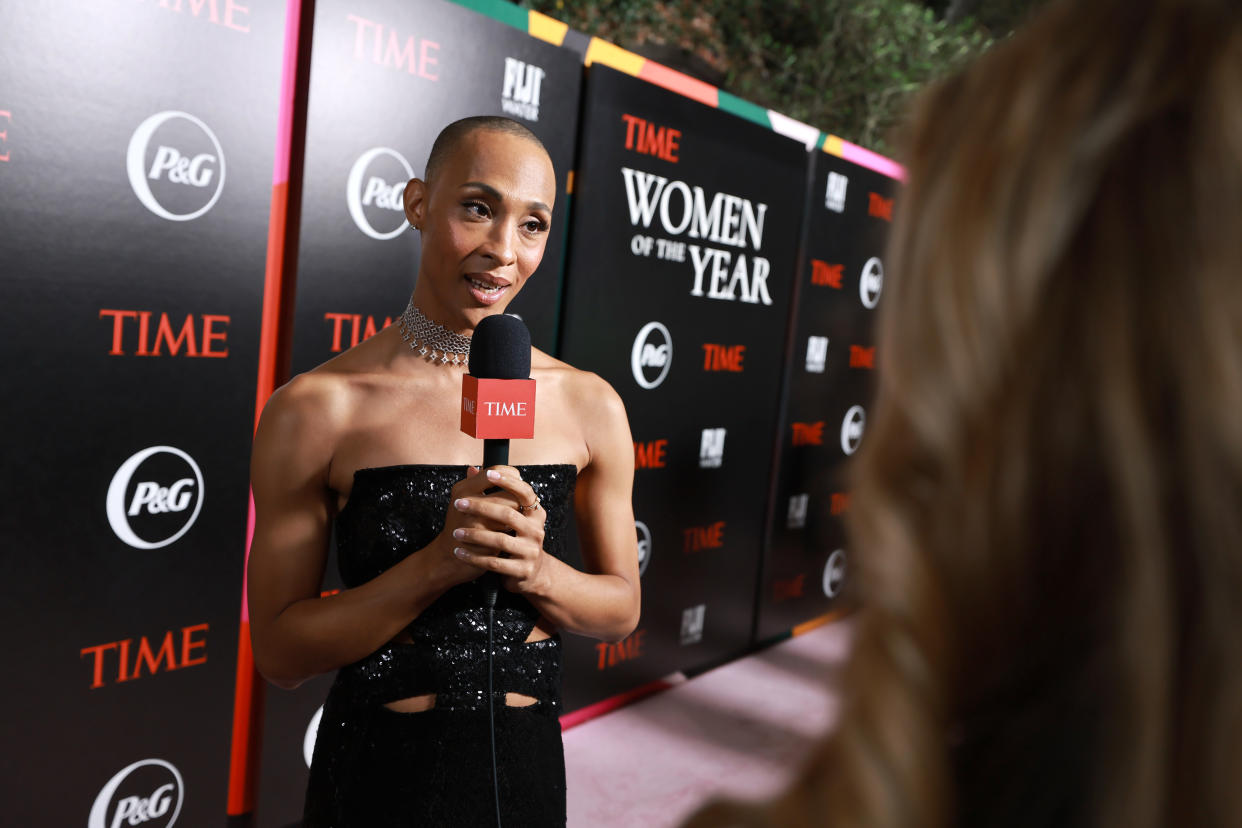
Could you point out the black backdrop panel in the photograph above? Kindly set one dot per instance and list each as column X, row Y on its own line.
column 830, row 383
column 134, row 201
column 386, row 76
column 681, row 269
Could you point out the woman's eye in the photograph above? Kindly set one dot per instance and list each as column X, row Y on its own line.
column 535, row 226
column 478, row 208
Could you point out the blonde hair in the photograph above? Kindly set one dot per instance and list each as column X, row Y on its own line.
column 1047, row 509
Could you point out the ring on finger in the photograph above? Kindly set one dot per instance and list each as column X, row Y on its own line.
column 529, row 508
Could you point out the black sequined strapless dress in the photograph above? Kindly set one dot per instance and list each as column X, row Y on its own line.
column 374, row 767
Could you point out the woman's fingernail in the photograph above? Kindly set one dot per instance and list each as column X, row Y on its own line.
column 492, row 474
column 459, row 533
column 461, row 553
column 462, row 503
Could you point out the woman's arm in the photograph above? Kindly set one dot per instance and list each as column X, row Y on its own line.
column 295, row 633
column 604, row 601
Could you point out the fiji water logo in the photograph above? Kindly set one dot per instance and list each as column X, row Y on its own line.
column 795, row 518
column 816, row 354
column 711, row 448
column 834, row 192
column 520, row 94
column 692, row 619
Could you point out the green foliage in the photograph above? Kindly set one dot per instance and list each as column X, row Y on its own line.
column 845, row 66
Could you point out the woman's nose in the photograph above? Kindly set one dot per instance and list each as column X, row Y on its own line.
column 499, row 244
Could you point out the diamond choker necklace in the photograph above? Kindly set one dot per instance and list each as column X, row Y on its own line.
column 431, row 339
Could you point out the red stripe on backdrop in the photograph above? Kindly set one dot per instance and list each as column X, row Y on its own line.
column 610, row 704
column 247, row 702
column 248, row 688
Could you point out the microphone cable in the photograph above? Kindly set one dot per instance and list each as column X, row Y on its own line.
column 490, row 593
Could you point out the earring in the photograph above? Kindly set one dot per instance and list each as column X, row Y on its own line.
column 415, row 226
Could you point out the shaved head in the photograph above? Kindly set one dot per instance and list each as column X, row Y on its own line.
column 452, row 135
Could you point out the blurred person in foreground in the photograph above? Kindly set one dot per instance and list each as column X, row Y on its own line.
column 1047, row 510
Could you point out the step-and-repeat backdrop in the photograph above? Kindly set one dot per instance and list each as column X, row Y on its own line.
column 385, row 77
column 681, row 270
column 137, row 143
column 830, row 378
column 136, row 154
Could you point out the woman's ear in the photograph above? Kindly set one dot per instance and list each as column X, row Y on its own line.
column 415, row 200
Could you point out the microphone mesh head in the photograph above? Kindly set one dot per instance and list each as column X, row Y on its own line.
column 500, row 348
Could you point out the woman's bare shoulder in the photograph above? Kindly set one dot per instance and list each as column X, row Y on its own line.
column 325, row 397
column 307, row 414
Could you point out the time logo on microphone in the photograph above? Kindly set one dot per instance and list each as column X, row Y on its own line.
column 493, row 408
column 498, row 408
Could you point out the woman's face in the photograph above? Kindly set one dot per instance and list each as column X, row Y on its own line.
column 484, row 219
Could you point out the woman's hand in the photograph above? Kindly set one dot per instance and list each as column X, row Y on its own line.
column 506, row 533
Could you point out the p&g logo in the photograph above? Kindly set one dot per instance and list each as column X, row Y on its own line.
column 852, row 429
column 644, row 546
column 151, row 495
column 173, row 161
column 871, row 282
column 652, row 355
column 834, row 573
column 373, row 192
column 148, row 792
column 312, row 735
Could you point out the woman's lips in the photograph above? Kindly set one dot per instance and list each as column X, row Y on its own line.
column 485, row 291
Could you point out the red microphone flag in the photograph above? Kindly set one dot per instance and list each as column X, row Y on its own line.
column 497, row 408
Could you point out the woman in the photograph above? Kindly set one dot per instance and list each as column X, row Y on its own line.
column 370, row 441
column 1047, row 510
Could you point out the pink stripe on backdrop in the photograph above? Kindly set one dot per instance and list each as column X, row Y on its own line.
column 284, row 128
column 872, row 161
column 246, row 569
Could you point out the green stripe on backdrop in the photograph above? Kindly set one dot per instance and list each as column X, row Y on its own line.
column 515, row 16
column 560, row 284
column 744, row 109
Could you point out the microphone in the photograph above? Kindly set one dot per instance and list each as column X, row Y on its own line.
column 497, row 393
column 497, row 404
column 498, row 396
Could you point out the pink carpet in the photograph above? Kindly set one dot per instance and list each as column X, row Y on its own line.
column 738, row 730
